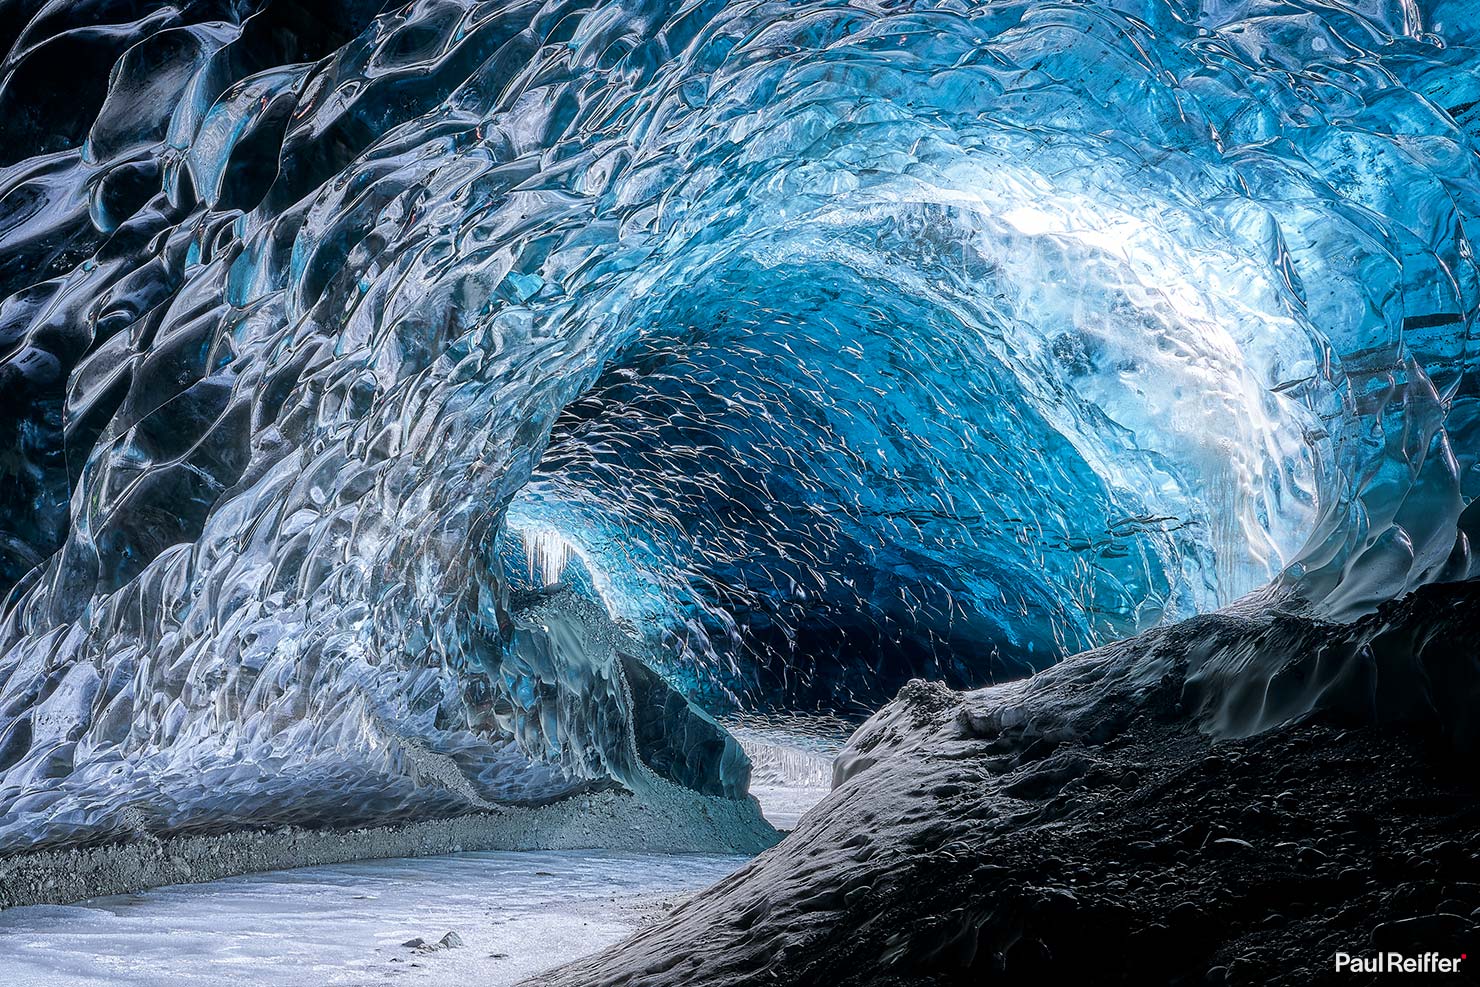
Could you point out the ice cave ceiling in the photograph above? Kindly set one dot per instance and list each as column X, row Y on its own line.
column 809, row 346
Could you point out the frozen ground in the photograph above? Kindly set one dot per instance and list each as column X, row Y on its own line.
column 516, row 913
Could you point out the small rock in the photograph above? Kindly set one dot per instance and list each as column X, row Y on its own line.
column 1309, row 856
column 450, row 941
column 1446, row 851
column 1230, row 844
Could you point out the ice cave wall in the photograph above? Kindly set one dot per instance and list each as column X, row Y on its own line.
column 814, row 345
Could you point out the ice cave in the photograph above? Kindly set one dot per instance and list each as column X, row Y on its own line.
column 877, row 492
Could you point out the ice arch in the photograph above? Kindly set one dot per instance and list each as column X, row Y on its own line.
column 835, row 342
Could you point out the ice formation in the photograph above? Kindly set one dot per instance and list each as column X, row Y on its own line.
column 410, row 408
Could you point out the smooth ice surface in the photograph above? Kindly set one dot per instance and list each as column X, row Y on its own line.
column 815, row 345
column 344, row 925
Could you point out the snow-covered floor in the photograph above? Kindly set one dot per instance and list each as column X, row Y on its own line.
column 346, row 925
column 516, row 914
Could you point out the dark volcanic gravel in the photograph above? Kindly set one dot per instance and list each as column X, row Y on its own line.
column 1169, row 859
column 977, row 841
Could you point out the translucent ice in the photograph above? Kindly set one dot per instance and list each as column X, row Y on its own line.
column 814, row 345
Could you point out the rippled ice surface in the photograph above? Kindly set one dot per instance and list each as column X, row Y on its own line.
column 343, row 925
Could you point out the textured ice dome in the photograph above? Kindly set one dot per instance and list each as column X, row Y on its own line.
column 808, row 346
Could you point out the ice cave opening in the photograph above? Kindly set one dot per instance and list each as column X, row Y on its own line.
column 930, row 443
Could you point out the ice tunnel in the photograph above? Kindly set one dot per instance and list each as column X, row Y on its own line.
column 412, row 408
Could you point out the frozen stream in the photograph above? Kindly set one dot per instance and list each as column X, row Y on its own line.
column 516, row 913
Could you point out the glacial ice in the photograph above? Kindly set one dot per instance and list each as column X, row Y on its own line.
column 772, row 353
column 791, row 761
